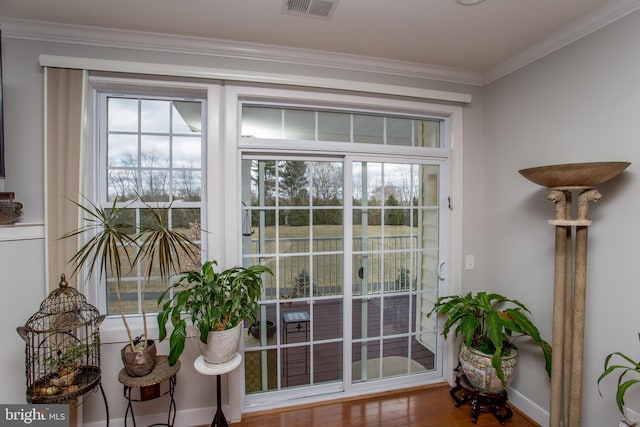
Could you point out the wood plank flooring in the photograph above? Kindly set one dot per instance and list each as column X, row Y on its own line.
column 429, row 406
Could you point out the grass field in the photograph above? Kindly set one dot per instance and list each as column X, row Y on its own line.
column 388, row 261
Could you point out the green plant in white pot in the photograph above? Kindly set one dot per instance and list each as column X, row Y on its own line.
column 215, row 303
column 112, row 245
column 629, row 375
column 488, row 328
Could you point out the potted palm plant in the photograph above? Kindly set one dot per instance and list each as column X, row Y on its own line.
column 111, row 247
column 488, row 329
column 216, row 303
column 629, row 370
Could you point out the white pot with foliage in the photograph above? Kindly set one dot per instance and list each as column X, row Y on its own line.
column 215, row 303
column 111, row 249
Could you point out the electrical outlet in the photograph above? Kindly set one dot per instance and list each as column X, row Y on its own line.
column 631, row 416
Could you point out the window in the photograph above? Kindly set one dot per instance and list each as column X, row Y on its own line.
column 295, row 123
column 151, row 154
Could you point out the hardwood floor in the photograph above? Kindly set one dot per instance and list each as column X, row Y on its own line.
column 429, row 406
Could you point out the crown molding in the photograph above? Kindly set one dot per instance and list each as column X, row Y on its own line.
column 591, row 22
column 137, row 40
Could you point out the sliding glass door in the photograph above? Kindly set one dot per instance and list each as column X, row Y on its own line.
column 354, row 244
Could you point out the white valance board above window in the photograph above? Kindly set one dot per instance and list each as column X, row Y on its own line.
column 93, row 64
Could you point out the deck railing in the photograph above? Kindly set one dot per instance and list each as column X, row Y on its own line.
column 390, row 264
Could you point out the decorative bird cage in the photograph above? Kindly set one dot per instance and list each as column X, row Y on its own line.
column 63, row 348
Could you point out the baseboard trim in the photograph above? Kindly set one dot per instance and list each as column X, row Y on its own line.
column 186, row 417
column 528, row 408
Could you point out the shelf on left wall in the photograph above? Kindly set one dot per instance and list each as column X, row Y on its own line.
column 21, row 231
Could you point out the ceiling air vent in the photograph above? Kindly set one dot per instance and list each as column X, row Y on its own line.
column 311, row 8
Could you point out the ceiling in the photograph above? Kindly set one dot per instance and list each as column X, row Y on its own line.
column 437, row 33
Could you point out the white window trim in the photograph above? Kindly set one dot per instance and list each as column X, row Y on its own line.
column 235, row 94
column 112, row 329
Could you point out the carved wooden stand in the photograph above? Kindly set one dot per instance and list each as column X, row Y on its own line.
column 481, row 401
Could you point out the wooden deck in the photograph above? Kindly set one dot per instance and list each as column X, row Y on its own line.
column 299, row 367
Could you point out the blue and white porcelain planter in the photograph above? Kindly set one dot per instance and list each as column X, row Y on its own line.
column 481, row 374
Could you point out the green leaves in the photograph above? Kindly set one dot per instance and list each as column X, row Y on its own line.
column 212, row 301
column 177, row 342
column 628, row 367
column 162, row 245
column 108, row 239
column 482, row 323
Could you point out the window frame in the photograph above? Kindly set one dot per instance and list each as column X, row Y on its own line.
column 94, row 179
column 223, row 153
column 352, row 115
column 235, row 147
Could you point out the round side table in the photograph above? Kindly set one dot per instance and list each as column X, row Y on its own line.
column 149, row 387
column 217, row 369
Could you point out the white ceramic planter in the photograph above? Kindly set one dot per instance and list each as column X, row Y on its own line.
column 481, row 374
column 221, row 346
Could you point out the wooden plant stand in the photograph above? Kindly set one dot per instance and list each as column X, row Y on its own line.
column 481, row 401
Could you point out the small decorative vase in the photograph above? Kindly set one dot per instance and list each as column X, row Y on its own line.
column 10, row 210
column 221, row 346
column 481, row 374
column 140, row 362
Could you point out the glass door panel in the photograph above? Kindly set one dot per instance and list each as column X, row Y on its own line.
column 395, row 235
column 296, row 212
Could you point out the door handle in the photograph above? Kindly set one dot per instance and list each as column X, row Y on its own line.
column 440, row 268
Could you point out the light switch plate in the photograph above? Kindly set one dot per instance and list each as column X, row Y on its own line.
column 469, row 262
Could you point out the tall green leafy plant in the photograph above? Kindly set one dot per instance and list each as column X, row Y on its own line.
column 109, row 241
column 629, row 370
column 484, row 323
column 104, row 248
column 161, row 246
column 212, row 301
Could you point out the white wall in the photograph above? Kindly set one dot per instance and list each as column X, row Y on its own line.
column 22, row 279
column 579, row 104
column 23, row 82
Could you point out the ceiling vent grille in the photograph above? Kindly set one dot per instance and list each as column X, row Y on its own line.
column 311, row 8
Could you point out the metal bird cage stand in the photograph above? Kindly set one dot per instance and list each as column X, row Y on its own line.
column 63, row 349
